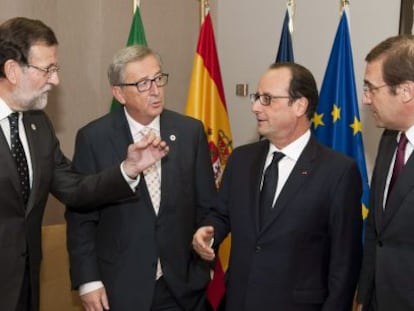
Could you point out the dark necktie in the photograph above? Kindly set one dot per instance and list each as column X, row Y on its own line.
column 19, row 156
column 267, row 193
column 399, row 162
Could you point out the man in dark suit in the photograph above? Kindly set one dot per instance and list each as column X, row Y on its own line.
column 139, row 257
column 300, row 251
column 32, row 164
column 386, row 281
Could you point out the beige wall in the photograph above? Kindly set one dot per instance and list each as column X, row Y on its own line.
column 253, row 30
column 89, row 32
column 247, row 34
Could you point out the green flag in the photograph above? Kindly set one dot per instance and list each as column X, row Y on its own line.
column 136, row 36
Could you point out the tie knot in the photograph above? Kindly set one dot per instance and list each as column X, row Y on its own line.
column 14, row 122
column 403, row 141
column 14, row 117
column 277, row 156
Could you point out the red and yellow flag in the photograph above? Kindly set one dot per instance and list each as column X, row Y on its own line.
column 206, row 102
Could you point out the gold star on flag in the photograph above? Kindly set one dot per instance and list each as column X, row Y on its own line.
column 336, row 113
column 356, row 126
column 317, row 120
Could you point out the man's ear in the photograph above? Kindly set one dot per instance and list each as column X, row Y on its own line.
column 118, row 94
column 301, row 105
column 406, row 90
column 12, row 70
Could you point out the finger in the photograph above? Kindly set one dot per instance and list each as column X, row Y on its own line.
column 104, row 301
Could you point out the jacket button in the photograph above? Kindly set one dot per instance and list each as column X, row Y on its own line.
column 258, row 248
column 380, row 243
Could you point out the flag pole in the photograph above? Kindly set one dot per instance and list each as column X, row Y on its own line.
column 291, row 7
column 204, row 7
column 342, row 4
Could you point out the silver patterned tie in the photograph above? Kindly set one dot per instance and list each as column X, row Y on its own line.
column 152, row 178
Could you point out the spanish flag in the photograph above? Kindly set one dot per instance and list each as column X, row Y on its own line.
column 206, row 102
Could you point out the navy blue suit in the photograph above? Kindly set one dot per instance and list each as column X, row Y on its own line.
column 20, row 225
column 386, row 281
column 306, row 256
column 119, row 243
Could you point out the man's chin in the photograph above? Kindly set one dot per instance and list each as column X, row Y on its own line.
column 39, row 103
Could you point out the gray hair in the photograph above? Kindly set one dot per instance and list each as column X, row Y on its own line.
column 125, row 56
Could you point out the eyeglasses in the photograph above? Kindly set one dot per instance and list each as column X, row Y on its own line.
column 368, row 88
column 48, row 71
column 264, row 99
column 144, row 85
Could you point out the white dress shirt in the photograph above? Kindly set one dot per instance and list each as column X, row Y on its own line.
column 292, row 153
column 408, row 150
column 5, row 111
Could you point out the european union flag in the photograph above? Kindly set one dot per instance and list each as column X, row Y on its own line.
column 285, row 52
column 336, row 122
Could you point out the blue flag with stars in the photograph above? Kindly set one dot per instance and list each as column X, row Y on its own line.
column 285, row 51
column 336, row 122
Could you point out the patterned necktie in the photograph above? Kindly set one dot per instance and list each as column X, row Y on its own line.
column 152, row 179
column 267, row 193
column 19, row 156
column 399, row 162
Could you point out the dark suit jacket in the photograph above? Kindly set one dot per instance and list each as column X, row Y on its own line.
column 20, row 226
column 306, row 257
column 119, row 244
column 388, row 262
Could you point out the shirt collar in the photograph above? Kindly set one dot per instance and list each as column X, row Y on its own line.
column 136, row 127
column 410, row 135
column 5, row 110
column 295, row 148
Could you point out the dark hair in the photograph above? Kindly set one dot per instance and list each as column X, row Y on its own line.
column 18, row 35
column 302, row 84
column 398, row 59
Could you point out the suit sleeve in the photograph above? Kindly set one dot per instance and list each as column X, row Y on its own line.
column 345, row 239
column 82, row 191
column 219, row 216
column 81, row 227
column 366, row 279
column 206, row 192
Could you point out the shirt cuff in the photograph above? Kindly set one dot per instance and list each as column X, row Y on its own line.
column 133, row 183
column 89, row 287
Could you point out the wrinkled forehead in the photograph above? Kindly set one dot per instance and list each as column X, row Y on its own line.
column 275, row 80
column 43, row 52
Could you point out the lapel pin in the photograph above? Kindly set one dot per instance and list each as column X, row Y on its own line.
column 33, row 126
column 172, row 137
column 304, row 172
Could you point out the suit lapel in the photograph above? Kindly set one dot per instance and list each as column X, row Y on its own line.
column 171, row 135
column 255, row 175
column 8, row 164
column 32, row 133
column 121, row 136
column 403, row 185
column 388, row 145
column 297, row 177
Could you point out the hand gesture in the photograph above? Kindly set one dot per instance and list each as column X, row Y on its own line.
column 202, row 242
column 143, row 154
column 95, row 300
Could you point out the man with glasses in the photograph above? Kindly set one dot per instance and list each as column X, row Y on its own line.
column 292, row 207
column 137, row 255
column 387, row 274
column 32, row 164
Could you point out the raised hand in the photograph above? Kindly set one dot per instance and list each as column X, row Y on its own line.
column 143, row 154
